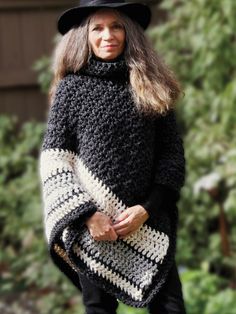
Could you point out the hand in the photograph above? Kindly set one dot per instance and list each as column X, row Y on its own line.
column 130, row 220
column 100, row 227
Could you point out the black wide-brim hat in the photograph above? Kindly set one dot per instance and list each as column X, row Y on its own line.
column 141, row 13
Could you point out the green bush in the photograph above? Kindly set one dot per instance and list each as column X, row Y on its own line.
column 198, row 288
column 207, row 293
column 223, row 302
column 198, row 41
column 25, row 267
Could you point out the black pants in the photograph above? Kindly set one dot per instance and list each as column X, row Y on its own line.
column 168, row 301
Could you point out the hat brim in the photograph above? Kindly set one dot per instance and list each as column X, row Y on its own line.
column 141, row 13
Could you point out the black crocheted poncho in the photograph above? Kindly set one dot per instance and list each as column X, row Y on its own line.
column 99, row 153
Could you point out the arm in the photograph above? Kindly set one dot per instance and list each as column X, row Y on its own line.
column 65, row 202
column 170, row 165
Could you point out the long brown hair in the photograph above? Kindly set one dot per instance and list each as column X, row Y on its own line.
column 152, row 84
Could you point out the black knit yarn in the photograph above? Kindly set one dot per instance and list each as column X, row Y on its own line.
column 113, row 69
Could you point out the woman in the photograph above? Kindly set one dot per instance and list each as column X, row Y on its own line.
column 112, row 161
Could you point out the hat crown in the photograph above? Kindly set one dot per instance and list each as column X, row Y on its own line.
column 98, row 2
column 138, row 12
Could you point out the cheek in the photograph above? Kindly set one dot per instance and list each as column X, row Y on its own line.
column 92, row 40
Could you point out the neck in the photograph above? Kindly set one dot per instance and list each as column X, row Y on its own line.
column 110, row 69
column 121, row 56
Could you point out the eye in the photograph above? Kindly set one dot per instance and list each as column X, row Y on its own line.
column 96, row 28
column 117, row 26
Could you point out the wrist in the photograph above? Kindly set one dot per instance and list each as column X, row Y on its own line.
column 145, row 212
column 90, row 219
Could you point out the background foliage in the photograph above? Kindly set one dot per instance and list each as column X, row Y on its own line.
column 198, row 41
column 201, row 51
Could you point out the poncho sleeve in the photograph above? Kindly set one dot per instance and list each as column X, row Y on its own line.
column 66, row 204
column 169, row 166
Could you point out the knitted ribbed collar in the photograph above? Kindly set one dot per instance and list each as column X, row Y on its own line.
column 112, row 69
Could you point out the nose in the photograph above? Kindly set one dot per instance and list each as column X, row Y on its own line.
column 107, row 34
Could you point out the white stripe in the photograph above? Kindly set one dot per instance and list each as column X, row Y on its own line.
column 131, row 265
column 61, row 195
column 104, row 198
column 53, row 160
column 149, row 242
column 60, row 213
column 115, row 279
column 146, row 240
column 57, row 182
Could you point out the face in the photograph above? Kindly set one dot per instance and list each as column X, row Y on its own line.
column 106, row 35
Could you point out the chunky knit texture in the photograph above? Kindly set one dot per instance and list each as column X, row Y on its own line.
column 100, row 154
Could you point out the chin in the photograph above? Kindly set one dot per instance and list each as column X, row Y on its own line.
column 109, row 56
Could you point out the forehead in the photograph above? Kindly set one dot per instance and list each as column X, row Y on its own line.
column 104, row 15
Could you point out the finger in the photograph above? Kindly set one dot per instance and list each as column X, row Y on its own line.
column 121, row 217
column 113, row 235
column 123, row 231
column 110, row 235
column 130, row 232
column 123, row 224
column 103, row 237
column 124, row 221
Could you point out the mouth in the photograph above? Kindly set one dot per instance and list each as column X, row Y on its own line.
column 110, row 46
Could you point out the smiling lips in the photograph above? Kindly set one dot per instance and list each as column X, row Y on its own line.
column 110, row 46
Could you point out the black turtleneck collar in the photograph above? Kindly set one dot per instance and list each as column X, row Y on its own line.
column 113, row 69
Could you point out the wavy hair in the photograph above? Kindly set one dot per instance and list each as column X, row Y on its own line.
column 153, row 85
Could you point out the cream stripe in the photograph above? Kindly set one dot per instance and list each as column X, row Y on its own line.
column 54, row 167
column 104, row 198
column 61, row 195
column 127, row 262
column 57, row 182
column 115, row 279
column 52, row 160
column 146, row 240
column 61, row 211
column 151, row 243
